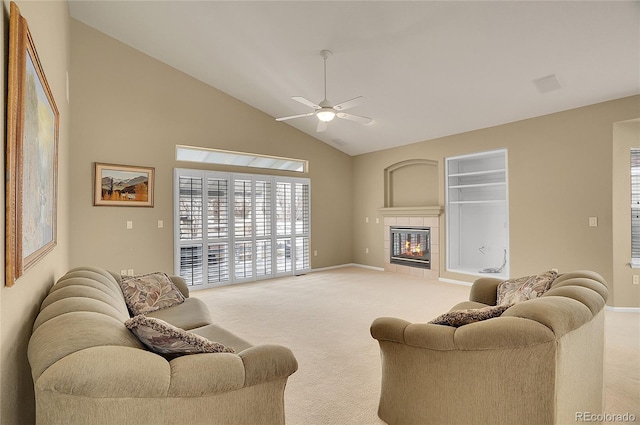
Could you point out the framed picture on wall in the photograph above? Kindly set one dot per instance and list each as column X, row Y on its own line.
column 123, row 185
column 31, row 155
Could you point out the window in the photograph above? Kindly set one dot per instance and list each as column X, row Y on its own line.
column 217, row 156
column 239, row 227
column 635, row 208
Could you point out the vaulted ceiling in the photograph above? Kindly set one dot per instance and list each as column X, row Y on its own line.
column 425, row 68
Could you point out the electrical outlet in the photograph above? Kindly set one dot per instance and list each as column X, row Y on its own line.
column 129, row 224
column 160, row 224
column 130, row 272
column 366, row 250
column 123, row 272
column 315, row 253
column 554, row 270
column 636, row 279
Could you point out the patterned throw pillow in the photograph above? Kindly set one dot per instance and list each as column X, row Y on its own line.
column 524, row 288
column 150, row 292
column 164, row 338
column 459, row 318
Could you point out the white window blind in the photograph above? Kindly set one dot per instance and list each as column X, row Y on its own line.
column 635, row 207
column 256, row 227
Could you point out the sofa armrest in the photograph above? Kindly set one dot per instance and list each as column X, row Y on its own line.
column 389, row 329
column 264, row 363
column 485, row 290
column 181, row 284
column 206, row 373
column 421, row 335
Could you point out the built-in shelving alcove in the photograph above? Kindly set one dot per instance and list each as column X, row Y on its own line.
column 477, row 214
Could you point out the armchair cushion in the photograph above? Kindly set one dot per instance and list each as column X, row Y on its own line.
column 457, row 318
column 150, row 292
column 163, row 338
column 525, row 288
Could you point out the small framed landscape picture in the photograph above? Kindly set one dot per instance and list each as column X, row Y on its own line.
column 123, row 185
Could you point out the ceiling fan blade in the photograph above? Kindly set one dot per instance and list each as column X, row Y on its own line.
column 349, row 103
column 305, row 102
column 356, row 118
column 295, row 116
column 322, row 126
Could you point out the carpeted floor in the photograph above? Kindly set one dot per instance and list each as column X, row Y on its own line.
column 324, row 318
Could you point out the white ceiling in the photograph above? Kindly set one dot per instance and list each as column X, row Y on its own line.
column 426, row 68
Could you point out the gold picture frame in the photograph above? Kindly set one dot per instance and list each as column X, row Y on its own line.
column 123, row 185
column 31, row 155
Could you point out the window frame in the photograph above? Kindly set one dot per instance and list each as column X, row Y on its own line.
column 634, row 193
column 232, row 241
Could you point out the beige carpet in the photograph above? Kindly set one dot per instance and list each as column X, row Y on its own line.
column 324, row 317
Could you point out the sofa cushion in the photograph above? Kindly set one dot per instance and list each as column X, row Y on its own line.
column 150, row 292
column 524, row 288
column 164, row 338
column 459, row 318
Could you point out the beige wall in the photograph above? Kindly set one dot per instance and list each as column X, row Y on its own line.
column 626, row 135
column 560, row 173
column 49, row 25
column 129, row 108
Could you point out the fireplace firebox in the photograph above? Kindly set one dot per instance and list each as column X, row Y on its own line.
column 411, row 246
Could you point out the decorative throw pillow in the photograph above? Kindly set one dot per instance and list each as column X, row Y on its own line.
column 150, row 292
column 524, row 288
column 164, row 338
column 459, row 318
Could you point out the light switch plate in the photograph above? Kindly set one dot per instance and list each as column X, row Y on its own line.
column 129, row 224
column 593, row 221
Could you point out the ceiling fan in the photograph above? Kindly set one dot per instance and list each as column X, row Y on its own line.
column 324, row 110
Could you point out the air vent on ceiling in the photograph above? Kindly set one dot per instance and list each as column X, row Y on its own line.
column 547, row 84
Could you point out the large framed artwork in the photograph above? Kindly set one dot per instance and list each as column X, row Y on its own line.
column 123, row 185
column 31, row 155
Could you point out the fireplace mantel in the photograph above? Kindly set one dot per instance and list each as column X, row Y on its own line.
column 426, row 211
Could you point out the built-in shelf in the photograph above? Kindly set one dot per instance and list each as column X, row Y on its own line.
column 468, row 186
column 478, row 173
column 491, row 201
column 477, row 213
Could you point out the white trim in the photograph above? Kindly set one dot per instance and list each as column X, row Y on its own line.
column 341, row 266
column 456, row 282
column 623, row 309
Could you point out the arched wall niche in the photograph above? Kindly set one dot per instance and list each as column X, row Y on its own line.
column 411, row 183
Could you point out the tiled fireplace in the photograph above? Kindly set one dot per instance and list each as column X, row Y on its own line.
column 417, row 253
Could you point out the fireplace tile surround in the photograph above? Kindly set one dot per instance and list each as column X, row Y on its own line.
column 428, row 218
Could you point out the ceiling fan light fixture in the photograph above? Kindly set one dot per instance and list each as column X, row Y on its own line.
column 326, row 114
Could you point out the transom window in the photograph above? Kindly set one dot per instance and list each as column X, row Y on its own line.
column 243, row 159
column 233, row 228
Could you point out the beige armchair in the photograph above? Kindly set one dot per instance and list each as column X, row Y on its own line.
column 540, row 362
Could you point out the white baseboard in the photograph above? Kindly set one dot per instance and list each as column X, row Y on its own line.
column 456, row 282
column 340, row 266
column 623, row 309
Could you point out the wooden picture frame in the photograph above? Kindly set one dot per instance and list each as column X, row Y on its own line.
column 31, row 155
column 123, row 185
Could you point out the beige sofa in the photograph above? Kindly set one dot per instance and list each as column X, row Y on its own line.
column 540, row 362
column 88, row 368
